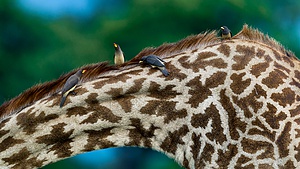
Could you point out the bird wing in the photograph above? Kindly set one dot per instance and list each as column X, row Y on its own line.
column 160, row 59
column 155, row 61
column 71, row 82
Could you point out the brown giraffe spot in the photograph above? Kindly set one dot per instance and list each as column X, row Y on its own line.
column 97, row 111
column 115, row 92
column 197, row 91
column 297, row 148
column 201, row 120
column 76, row 111
column 138, row 84
column 20, row 159
column 125, row 102
column 276, row 54
column 97, row 139
column 117, row 78
column 185, row 162
column 274, row 79
column 260, row 53
column 195, row 148
column 234, row 122
column 297, row 74
column 288, row 60
column 163, row 94
column 252, row 146
column 268, row 58
column 261, row 130
column 250, row 101
column 224, row 157
column 286, row 97
column 243, row 160
column 284, row 140
column 100, row 112
column 58, row 140
column 284, row 58
column 298, row 131
column 9, row 142
column 163, row 108
column 259, row 68
column 259, row 91
column 29, row 121
column 282, row 68
column 184, row 61
column 265, row 166
column 151, row 107
column 216, row 79
column 139, row 135
column 203, row 60
column 295, row 112
column 239, row 85
column 295, row 83
column 247, row 53
column 3, row 123
column 123, row 99
column 3, row 131
column 175, row 73
column 205, row 156
column 170, row 143
column 80, row 90
column 271, row 118
column 92, row 99
column 290, row 165
column 224, row 49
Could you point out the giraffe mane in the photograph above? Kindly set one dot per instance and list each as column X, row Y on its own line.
column 248, row 33
column 39, row 91
column 191, row 42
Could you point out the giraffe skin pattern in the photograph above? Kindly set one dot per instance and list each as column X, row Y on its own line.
column 226, row 104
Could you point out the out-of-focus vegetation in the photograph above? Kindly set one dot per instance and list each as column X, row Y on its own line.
column 35, row 49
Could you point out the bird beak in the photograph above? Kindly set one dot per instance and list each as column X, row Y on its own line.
column 115, row 45
column 83, row 71
column 222, row 27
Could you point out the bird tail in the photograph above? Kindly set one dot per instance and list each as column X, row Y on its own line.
column 63, row 99
column 164, row 71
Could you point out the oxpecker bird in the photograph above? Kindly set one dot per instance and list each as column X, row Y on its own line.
column 155, row 61
column 70, row 85
column 225, row 33
column 119, row 57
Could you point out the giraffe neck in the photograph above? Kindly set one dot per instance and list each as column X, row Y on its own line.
column 224, row 105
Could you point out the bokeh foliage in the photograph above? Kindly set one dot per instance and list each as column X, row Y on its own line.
column 35, row 49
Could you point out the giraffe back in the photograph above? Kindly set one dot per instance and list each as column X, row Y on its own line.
column 225, row 104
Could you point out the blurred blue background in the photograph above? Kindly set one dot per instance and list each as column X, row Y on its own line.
column 41, row 40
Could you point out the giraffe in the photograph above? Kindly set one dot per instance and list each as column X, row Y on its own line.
column 226, row 104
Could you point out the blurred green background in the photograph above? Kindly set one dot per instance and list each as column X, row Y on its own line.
column 41, row 40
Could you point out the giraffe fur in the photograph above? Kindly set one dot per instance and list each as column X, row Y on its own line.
column 226, row 104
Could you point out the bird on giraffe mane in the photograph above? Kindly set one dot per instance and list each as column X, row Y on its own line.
column 70, row 85
column 225, row 33
column 119, row 56
column 155, row 62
